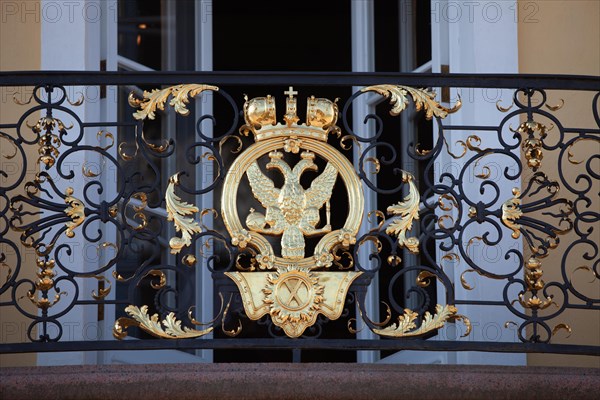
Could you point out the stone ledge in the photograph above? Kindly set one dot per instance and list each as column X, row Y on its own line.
column 297, row 381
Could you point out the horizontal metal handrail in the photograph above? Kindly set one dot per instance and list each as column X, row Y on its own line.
column 512, row 81
column 302, row 344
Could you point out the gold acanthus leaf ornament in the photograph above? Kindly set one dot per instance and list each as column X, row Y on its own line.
column 511, row 212
column 406, row 325
column 75, row 210
column 169, row 328
column 44, row 284
column 407, row 210
column 178, row 212
column 157, row 98
column 423, row 99
column 49, row 141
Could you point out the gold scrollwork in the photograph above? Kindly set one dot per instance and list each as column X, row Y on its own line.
column 532, row 145
column 49, row 142
column 556, row 107
column 379, row 215
column 473, row 143
column 156, row 148
column 43, row 284
column 486, row 172
column 408, row 210
column 238, row 142
column 178, row 211
column 238, row 328
column 562, row 326
column 89, row 171
column 590, row 271
column 387, row 319
column 102, row 291
column 406, row 326
column 511, row 211
column 138, row 209
column 123, row 152
column 347, row 141
column 423, row 99
column 189, row 260
column 20, row 102
column 534, row 282
column 504, row 109
column 571, row 155
column 78, row 102
column 169, row 328
column 447, row 207
column 454, row 155
column 15, row 150
column 75, row 210
column 8, row 273
column 424, row 278
column 376, row 164
column 463, row 280
column 105, row 135
column 157, row 98
column 162, row 278
column 451, row 257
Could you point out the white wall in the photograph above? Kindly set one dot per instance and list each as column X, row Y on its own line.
column 479, row 37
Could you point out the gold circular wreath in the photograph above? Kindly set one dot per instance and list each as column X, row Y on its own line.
column 267, row 259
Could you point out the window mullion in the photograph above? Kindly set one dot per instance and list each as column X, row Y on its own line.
column 363, row 60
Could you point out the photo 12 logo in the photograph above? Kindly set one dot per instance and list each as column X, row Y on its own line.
column 472, row 11
column 57, row 11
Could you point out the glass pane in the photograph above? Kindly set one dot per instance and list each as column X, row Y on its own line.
column 140, row 27
column 271, row 35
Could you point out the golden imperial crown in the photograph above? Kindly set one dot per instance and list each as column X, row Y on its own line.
column 261, row 119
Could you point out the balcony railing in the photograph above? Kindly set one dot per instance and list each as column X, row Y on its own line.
column 191, row 217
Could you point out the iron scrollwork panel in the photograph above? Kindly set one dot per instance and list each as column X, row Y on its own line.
column 284, row 262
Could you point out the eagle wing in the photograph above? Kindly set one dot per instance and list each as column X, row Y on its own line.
column 262, row 187
column 321, row 188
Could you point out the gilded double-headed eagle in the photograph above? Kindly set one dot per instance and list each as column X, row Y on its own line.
column 291, row 211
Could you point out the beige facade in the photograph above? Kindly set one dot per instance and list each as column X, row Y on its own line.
column 563, row 37
column 20, row 49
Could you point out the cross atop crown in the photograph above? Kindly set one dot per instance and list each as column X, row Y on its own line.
column 291, row 92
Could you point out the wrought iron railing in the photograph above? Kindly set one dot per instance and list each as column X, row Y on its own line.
column 381, row 247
